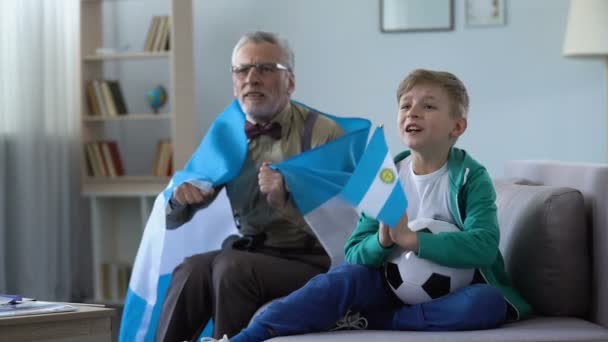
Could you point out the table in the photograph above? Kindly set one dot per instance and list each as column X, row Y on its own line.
column 87, row 324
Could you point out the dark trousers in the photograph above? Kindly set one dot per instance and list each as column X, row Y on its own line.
column 229, row 286
column 327, row 297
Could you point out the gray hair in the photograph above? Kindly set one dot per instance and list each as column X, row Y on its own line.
column 259, row 37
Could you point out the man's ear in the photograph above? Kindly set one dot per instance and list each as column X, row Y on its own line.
column 291, row 86
column 459, row 127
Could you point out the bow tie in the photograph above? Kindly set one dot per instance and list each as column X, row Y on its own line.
column 272, row 129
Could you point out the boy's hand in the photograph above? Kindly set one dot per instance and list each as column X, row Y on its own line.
column 384, row 236
column 271, row 184
column 404, row 236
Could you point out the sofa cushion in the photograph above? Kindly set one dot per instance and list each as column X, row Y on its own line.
column 545, row 243
column 555, row 329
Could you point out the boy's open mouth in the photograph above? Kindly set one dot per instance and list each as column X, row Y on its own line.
column 413, row 128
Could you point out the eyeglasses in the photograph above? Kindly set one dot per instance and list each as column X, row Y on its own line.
column 264, row 69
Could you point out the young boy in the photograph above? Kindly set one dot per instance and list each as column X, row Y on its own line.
column 441, row 182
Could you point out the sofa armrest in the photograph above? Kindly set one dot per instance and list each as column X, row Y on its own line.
column 592, row 181
column 544, row 240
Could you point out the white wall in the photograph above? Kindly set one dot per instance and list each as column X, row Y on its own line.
column 527, row 100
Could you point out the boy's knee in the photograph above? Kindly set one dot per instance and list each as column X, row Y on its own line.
column 354, row 275
column 352, row 269
column 487, row 302
column 488, row 295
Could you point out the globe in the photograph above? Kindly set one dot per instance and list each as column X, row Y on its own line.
column 157, row 97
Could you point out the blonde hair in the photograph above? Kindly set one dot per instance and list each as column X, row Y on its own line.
column 457, row 92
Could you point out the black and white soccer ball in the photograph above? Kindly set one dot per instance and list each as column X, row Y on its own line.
column 415, row 280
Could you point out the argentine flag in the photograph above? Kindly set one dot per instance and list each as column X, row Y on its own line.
column 216, row 161
column 374, row 188
column 331, row 195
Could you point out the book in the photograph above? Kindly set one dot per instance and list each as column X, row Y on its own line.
column 151, row 37
column 164, row 38
column 168, row 40
column 107, row 158
column 99, row 96
column 88, row 156
column 162, row 26
column 163, row 159
column 100, row 160
column 115, row 280
column 108, row 98
column 119, row 100
column 96, row 163
column 92, row 100
column 116, row 159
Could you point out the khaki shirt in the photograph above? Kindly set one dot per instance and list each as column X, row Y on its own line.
column 284, row 227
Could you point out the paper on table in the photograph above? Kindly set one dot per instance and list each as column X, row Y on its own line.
column 34, row 308
column 9, row 299
column 13, row 299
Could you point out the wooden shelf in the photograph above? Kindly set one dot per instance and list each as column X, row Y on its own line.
column 124, row 186
column 126, row 55
column 128, row 117
column 121, row 206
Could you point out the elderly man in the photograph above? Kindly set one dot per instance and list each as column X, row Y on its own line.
column 277, row 251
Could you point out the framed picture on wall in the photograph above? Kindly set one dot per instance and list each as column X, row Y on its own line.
column 485, row 12
column 416, row 15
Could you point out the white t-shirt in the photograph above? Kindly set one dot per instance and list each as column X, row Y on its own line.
column 428, row 196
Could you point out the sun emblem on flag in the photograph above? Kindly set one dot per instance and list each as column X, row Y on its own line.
column 387, row 176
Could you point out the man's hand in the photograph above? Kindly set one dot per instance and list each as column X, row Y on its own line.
column 272, row 185
column 190, row 194
column 404, row 236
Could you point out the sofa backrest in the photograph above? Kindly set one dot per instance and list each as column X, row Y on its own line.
column 592, row 181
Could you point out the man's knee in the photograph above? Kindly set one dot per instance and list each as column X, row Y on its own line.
column 231, row 268
column 194, row 269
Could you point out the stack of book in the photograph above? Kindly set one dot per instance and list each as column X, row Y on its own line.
column 115, row 280
column 159, row 34
column 103, row 159
column 163, row 160
column 105, row 98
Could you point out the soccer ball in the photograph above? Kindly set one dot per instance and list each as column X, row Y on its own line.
column 415, row 280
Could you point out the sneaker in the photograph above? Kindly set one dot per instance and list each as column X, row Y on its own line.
column 350, row 321
column 211, row 339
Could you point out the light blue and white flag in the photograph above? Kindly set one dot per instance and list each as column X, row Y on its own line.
column 216, row 161
column 374, row 188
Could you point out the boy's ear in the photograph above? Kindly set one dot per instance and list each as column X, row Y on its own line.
column 459, row 127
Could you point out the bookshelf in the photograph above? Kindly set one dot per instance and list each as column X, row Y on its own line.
column 120, row 202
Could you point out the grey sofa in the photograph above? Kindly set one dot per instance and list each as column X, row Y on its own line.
column 554, row 237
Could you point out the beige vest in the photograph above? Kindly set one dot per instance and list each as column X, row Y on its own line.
column 284, row 227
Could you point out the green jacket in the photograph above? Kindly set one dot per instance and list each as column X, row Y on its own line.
column 473, row 207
